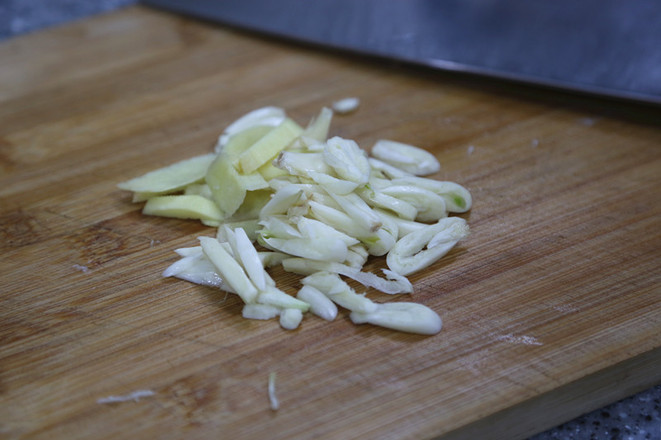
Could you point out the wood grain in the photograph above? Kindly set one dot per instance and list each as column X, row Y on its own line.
column 551, row 306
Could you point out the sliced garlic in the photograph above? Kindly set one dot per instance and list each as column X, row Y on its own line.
column 282, row 200
column 360, row 212
column 333, row 184
column 316, row 230
column 457, row 198
column 265, row 116
column 249, row 259
column 408, row 256
column 347, row 159
column 249, row 226
column 276, row 297
column 260, row 311
column 429, row 205
column 301, row 164
column 320, row 305
column 278, row 226
column 273, row 399
column 378, row 199
column 231, row 271
column 319, row 126
column 337, row 219
column 384, row 241
column 402, row 316
column 339, row 292
column 329, row 243
column 355, row 259
column 196, row 268
column 271, row 259
column 404, row 226
column 290, row 319
column 321, row 207
column 386, row 169
column 346, row 105
column 395, row 282
column 411, row 159
column 188, row 251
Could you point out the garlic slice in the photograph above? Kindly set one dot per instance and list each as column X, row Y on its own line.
column 429, row 205
column 339, row 292
column 276, row 297
column 249, row 259
column 231, row 271
column 260, row 311
column 273, row 399
column 290, row 319
column 395, row 282
column 387, row 170
column 408, row 256
column 378, row 199
column 457, row 198
column 319, row 126
column 320, row 305
column 266, row 116
column 346, row 105
column 403, row 316
column 196, row 268
column 411, row 159
column 347, row 159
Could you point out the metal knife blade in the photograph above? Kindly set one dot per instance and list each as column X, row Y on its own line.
column 604, row 47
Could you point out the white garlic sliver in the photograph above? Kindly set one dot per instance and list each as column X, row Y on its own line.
column 406, row 157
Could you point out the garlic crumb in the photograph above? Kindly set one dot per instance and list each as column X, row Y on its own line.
column 83, row 269
column 346, row 105
column 134, row 396
column 273, row 399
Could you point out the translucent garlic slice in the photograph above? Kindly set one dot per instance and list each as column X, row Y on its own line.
column 260, row 311
column 339, row 292
column 320, row 305
column 409, row 256
column 228, row 268
column 409, row 158
column 347, row 159
column 290, row 319
column 402, row 316
column 266, row 116
column 346, row 105
column 394, row 282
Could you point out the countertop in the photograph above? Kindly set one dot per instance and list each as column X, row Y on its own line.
column 637, row 417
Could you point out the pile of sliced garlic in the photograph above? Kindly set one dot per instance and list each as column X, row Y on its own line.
column 317, row 206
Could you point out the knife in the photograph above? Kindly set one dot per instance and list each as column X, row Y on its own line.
column 608, row 48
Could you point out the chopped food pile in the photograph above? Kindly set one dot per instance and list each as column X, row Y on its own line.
column 281, row 194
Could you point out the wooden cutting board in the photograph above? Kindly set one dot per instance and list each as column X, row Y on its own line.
column 551, row 307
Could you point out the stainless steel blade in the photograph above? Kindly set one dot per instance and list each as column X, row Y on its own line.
column 604, row 47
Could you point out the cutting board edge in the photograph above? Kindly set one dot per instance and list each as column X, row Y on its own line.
column 563, row 404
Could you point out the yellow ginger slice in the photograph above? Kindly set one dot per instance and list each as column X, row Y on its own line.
column 172, row 178
column 184, row 206
column 226, row 185
column 268, row 147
